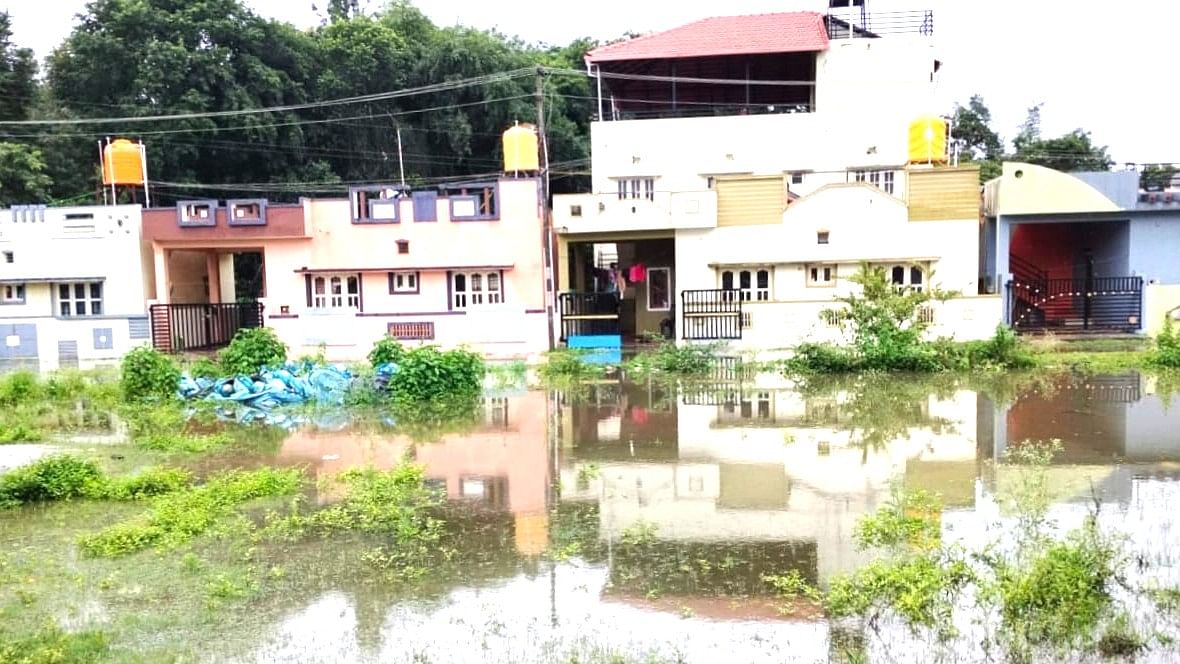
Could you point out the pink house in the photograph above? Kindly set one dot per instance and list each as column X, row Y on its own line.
column 457, row 264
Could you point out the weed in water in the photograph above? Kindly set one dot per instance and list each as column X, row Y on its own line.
column 204, row 367
column 147, row 484
column 178, row 517
column 1120, row 639
column 909, row 521
column 427, row 373
column 19, row 388
column 252, row 349
column 19, row 428
column 53, row 646
column 148, row 375
column 1165, row 350
column 669, row 358
column 568, row 364
column 921, row 589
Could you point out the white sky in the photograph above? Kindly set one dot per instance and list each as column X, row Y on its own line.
column 1106, row 67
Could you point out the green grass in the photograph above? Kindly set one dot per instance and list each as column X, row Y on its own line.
column 1092, row 361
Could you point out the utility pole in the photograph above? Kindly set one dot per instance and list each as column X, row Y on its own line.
column 546, row 217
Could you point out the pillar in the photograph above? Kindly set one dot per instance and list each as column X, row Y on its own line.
column 213, row 274
column 226, row 273
column 160, row 258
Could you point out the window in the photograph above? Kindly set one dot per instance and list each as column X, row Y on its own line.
column 197, row 213
column 659, row 289
column 906, row 277
column 751, row 285
column 797, row 177
column 476, row 289
column 375, row 205
column 12, row 294
column 403, row 282
column 9, row 257
column 403, row 246
column 79, row 299
column 246, row 212
column 821, row 275
column 473, row 202
column 575, row 210
column 822, row 237
column 330, row 292
column 881, row 179
column 637, row 188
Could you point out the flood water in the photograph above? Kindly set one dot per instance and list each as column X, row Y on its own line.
column 638, row 520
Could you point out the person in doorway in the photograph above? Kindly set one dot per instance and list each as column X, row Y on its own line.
column 616, row 285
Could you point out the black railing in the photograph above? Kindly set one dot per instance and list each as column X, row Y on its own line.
column 1099, row 303
column 876, row 24
column 709, row 315
column 632, row 109
column 184, row 327
column 585, row 314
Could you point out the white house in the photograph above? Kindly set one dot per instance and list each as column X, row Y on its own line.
column 71, row 285
column 747, row 164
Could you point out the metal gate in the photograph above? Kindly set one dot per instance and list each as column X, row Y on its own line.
column 711, row 315
column 182, row 327
column 1079, row 305
column 588, row 314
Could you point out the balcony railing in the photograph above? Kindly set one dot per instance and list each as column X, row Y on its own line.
column 853, row 22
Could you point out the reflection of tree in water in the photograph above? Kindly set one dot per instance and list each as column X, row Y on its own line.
column 876, row 410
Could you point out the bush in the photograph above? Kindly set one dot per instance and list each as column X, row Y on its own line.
column 822, row 359
column 1003, row 350
column 1165, row 351
column 386, row 350
column 687, row 360
column 18, row 428
column 148, row 375
column 58, row 477
column 252, row 349
column 204, row 368
column 19, row 388
column 427, row 373
column 567, row 363
column 149, row 483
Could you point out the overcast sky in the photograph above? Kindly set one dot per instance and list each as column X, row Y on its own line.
column 1106, row 67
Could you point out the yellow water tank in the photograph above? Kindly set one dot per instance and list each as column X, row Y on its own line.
column 122, row 162
column 520, row 149
column 928, row 138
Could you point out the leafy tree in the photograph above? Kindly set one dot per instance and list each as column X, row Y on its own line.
column 18, row 71
column 1156, row 177
column 975, row 139
column 22, row 175
column 1073, row 151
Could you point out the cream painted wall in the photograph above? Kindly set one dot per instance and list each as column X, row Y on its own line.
column 513, row 329
column 76, row 243
column 1158, row 302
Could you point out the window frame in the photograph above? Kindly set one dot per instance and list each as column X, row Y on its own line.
column 257, row 216
column 907, row 283
column 329, row 302
column 813, row 282
column 188, row 213
column 463, row 299
column 459, row 194
column 745, row 282
column 383, row 199
column 88, row 300
column 641, row 188
column 413, row 275
column 884, row 179
column 19, row 293
column 667, row 290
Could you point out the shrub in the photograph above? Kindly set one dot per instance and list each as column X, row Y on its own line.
column 1165, row 351
column 58, row 477
column 148, row 375
column 823, row 359
column 149, row 483
column 18, row 388
column 386, row 350
column 427, row 373
column 667, row 357
column 252, row 349
column 203, row 367
column 1003, row 350
column 19, row 428
column 567, row 363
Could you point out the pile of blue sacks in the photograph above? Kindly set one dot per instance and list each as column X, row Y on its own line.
column 250, row 398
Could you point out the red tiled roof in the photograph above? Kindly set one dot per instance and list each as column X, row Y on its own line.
column 788, row 32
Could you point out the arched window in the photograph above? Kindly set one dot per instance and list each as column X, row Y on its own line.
column 916, row 278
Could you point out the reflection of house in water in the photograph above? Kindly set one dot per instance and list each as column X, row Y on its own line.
column 1098, row 419
column 759, row 464
column 500, row 467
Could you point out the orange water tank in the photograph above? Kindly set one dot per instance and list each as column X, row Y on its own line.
column 122, row 163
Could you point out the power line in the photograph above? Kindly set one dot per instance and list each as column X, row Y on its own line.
column 380, row 96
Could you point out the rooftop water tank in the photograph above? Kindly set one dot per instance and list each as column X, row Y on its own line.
column 928, row 138
column 520, row 149
column 122, row 163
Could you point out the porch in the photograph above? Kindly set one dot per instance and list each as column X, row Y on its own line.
column 1072, row 277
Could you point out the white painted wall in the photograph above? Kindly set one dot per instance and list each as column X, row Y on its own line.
column 76, row 244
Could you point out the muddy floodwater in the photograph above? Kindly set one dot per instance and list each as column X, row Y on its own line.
column 619, row 521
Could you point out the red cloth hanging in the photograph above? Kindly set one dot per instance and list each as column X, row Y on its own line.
column 639, row 415
column 637, row 273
